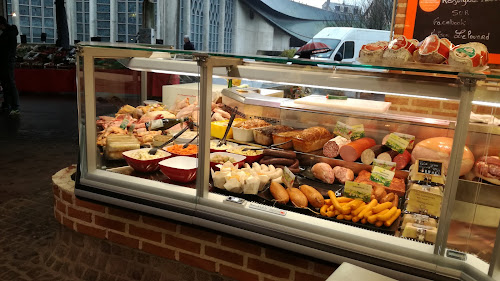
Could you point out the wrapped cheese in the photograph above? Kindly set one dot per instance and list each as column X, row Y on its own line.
column 433, row 50
column 251, row 185
column 420, row 232
column 418, row 219
column 469, row 55
column 372, row 52
column 400, row 50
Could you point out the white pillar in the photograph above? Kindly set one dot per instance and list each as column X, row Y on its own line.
column 206, row 26
column 70, row 6
column 16, row 20
column 222, row 25
column 170, row 23
column 92, row 18
column 113, row 21
column 187, row 18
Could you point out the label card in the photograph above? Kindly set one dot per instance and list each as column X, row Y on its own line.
column 409, row 138
column 429, row 167
column 391, row 166
column 288, row 177
column 424, row 202
column 358, row 131
column 382, row 176
column 357, row 190
column 342, row 129
column 397, row 143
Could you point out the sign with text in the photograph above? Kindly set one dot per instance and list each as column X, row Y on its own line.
column 461, row 21
column 357, row 190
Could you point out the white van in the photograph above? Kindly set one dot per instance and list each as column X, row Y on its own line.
column 346, row 42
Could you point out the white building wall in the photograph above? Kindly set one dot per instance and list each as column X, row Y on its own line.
column 251, row 35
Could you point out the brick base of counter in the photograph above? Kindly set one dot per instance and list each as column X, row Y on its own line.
column 228, row 255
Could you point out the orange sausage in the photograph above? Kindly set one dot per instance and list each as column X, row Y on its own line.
column 352, row 151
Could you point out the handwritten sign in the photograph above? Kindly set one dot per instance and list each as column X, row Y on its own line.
column 429, row 167
column 461, row 21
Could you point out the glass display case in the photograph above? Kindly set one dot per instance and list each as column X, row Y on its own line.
column 384, row 165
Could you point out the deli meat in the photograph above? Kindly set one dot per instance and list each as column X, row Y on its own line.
column 323, row 172
column 402, row 160
column 332, row 147
column 400, row 50
column 469, row 55
column 488, row 168
column 343, row 174
column 372, row 52
column 352, row 151
column 397, row 185
column 433, row 50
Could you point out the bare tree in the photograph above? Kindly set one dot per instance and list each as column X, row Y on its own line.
column 372, row 14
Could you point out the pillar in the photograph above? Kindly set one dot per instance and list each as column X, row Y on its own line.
column 222, row 25
column 113, row 21
column 206, row 26
column 169, row 26
column 16, row 20
column 3, row 8
column 187, row 18
column 92, row 18
column 70, row 6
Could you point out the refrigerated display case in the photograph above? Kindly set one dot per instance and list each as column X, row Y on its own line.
column 464, row 245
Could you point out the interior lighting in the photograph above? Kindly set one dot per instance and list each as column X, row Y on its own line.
column 14, row 14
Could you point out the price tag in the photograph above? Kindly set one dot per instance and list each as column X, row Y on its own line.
column 397, row 143
column 357, row 190
column 409, row 138
column 382, row 176
column 124, row 124
column 357, row 131
column 391, row 166
column 288, row 177
column 429, row 167
column 342, row 129
column 424, row 202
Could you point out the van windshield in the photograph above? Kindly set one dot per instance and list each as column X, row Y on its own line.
column 332, row 43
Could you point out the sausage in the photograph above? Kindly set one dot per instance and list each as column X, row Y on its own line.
column 295, row 164
column 343, row 174
column 388, row 198
column 297, row 197
column 293, row 170
column 279, row 193
column 323, row 172
column 313, row 196
column 332, row 147
column 352, row 151
column 280, row 153
column 369, row 154
column 402, row 160
column 395, row 201
column 277, row 161
column 387, row 156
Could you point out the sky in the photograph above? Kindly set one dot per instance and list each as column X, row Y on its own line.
column 319, row 3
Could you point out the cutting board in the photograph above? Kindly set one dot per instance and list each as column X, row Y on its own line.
column 321, row 103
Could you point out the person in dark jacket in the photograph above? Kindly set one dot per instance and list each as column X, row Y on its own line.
column 8, row 45
column 188, row 45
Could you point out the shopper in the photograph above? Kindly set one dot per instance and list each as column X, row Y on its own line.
column 188, row 45
column 8, row 45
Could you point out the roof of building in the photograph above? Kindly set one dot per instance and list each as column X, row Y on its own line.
column 298, row 20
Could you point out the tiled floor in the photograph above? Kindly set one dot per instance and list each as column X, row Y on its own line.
column 33, row 246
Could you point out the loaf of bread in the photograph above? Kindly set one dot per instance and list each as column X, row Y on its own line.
column 432, row 50
column 264, row 136
column 284, row 137
column 400, row 50
column 311, row 139
column 372, row 52
column 469, row 55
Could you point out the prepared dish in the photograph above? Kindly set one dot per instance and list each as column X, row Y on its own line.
column 251, row 124
column 144, row 155
column 246, row 153
column 214, row 145
column 221, row 159
column 179, row 150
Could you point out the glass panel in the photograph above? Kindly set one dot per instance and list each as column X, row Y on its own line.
column 103, row 8
column 79, row 17
column 24, row 10
column 37, row 32
column 48, row 12
column 79, row 6
column 24, row 2
column 132, row 7
column 79, row 28
column 476, row 211
column 102, row 24
column 122, row 18
column 122, row 29
column 132, row 18
column 50, row 32
column 103, row 32
column 122, row 7
column 25, row 30
column 122, row 38
column 48, row 22
column 25, row 21
column 103, row 16
column 36, row 2
column 36, row 11
column 132, row 29
column 349, row 49
column 49, row 3
column 35, row 21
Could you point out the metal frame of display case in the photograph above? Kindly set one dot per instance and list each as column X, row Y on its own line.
column 380, row 252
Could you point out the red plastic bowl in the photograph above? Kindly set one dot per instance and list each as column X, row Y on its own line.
column 240, row 159
column 180, row 168
column 144, row 166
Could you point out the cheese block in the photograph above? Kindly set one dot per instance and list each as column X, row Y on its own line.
column 432, row 50
column 116, row 144
column 400, row 50
column 418, row 219
column 420, row 232
column 469, row 55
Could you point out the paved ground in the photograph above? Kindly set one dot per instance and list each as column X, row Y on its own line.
column 33, row 246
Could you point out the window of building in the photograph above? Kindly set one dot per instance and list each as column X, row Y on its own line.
column 35, row 17
column 346, row 9
column 228, row 26
column 197, row 23
column 82, row 20
column 129, row 20
column 213, row 42
column 337, row 8
column 103, row 20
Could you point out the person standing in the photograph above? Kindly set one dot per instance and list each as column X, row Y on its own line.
column 188, row 45
column 8, row 45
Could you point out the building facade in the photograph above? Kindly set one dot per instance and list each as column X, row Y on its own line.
column 230, row 26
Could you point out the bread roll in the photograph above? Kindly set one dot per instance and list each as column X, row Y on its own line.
column 439, row 149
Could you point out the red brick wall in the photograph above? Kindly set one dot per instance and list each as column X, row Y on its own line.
column 212, row 251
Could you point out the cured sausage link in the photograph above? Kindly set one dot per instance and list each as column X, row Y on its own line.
column 278, row 161
column 280, row 153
